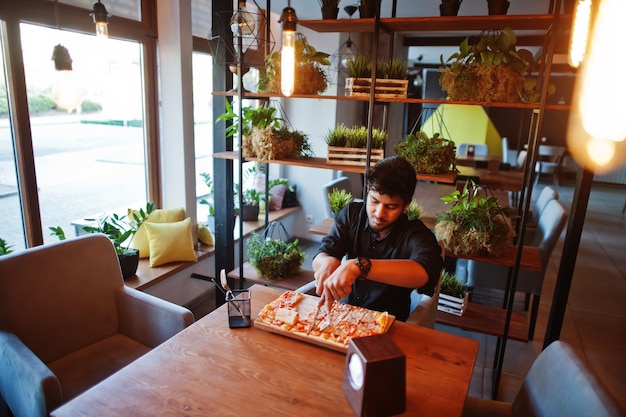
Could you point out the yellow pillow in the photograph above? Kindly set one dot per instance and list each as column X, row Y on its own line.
column 204, row 235
column 170, row 242
column 140, row 240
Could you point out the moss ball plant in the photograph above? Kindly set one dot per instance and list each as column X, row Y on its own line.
column 274, row 259
column 428, row 155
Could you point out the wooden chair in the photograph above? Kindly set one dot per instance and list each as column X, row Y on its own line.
column 67, row 321
column 557, row 384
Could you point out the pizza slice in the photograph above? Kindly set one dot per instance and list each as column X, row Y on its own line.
column 283, row 312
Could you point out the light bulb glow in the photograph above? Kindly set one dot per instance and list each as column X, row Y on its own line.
column 602, row 79
column 242, row 23
column 580, row 33
column 601, row 151
column 287, row 63
column 102, row 30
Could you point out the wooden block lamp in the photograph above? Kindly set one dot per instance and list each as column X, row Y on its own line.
column 374, row 379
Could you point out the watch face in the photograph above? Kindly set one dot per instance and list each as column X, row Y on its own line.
column 355, row 369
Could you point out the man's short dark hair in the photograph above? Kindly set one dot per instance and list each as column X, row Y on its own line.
column 393, row 176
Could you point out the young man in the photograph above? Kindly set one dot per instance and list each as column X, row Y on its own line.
column 387, row 255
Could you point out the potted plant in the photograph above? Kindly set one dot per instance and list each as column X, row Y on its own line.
column 348, row 145
column 264, row 136
column 367, row 8
column 428, row 155
column 273, row 258
column 390, row 77
column 338, row 198
column 475, row 225
column 310, row 71
column 449, row 7
column 491, row 70
column 414, row 211
column 497, row 7
column 209, row 201
column 453, row 295
column 120, row 230
column 330, row 8
column 5, row 249
column 251, row 202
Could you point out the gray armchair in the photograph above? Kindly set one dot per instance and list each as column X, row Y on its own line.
column 557, row 384
column 67, row 321
column 487, row 275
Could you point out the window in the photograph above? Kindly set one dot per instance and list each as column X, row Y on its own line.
column 11, row 230
column 203, row 125
column 91, row 160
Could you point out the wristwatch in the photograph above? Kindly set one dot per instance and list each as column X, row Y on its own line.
column 364, row 265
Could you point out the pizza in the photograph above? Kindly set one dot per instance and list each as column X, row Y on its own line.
column 295, row 313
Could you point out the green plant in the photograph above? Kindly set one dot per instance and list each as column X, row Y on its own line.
column 310, row 75
column 210, row 200
column 355, row 137
column 395, row 69
column 414, row 211
column 338, row 198
column 531, row 93
column 428, row 155
column 274, row 259
column 451, row 285
column 119, row 229
column 4, row 248
column 361, row 67
column 260, row 117
column 492, row 69
column 475, row 224
column 252, row 197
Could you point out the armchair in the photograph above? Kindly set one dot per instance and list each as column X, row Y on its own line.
column 557, row 384
column 67, row 321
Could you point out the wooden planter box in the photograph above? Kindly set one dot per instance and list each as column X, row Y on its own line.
column 452, row 305
column 353, row 156
column 385, row 88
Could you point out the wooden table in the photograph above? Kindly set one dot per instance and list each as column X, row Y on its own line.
column 498, row 180
column 209, row 369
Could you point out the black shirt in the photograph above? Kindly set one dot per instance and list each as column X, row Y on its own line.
column 351, row 236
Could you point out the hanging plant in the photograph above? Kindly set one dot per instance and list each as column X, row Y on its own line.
column 273, row 256
column 475, row 225
column 428, row 155
column 491, row 70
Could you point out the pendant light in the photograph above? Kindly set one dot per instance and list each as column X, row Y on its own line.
column 288, row 54
column 66, row 93
column 101, row 19
column 597, row 127
column 579, row 33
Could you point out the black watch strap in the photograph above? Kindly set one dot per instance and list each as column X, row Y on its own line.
column 364, row 264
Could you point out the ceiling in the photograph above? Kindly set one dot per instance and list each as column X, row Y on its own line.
column 310, row 10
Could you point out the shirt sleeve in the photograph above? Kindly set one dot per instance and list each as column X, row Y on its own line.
column 427, row 252
column 339, row 241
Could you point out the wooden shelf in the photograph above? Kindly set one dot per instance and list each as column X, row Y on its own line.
column 440, row 25
column 488, row 320
column 302, row 277
column 265, row 96
column 447, row 178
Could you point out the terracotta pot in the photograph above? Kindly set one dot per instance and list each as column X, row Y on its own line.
column 330, row 12
column 497, row 7
column 449, row 9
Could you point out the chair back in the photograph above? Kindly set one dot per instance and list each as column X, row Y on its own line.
column 480, row 149
column 58, row 298
column 341, row 183
column 549, row 228
column 560, row 384
column 547, row 194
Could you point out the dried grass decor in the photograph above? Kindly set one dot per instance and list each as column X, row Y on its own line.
column 475, row 225
column 491, row 70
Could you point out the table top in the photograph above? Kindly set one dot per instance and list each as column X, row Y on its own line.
column 498, row 180
column 209, row 369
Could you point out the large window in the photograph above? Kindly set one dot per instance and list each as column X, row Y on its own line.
column 90, row 160
column 203, row 125
column 11, row 230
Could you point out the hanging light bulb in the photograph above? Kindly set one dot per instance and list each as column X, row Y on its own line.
column 347, row 55
column 597, row 127
column 242, row 23
column 66, row 92
column 288, row 54
column 579, row 33
column 101, row 19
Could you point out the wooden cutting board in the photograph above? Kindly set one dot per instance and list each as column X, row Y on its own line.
column 304, row 307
